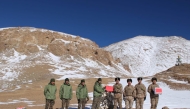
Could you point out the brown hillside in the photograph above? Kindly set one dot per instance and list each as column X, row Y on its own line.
column 179, row 73
column 26, row 40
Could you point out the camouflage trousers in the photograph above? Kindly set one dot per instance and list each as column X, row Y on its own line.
column 154, row 102
column 82, row 102
column 65, row 103
column 96, row 102
column 139, row 103
column 118, row 101
column 49, row 104
column 129, row 102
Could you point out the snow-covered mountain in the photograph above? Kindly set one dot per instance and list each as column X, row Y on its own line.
column 146, row 56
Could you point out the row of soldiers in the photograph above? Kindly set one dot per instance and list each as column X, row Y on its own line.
column 135, row 93
column 129, row 94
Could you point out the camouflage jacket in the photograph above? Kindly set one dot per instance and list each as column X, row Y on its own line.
column 129, row 91
column 151, row 89
column 140, row 90
column 117, row 89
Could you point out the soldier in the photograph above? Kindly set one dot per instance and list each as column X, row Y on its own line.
column 117, row 90
column 49, row 93
column 65, row 93
column 140, row 90
column 97, row 94
column 153, row 97
column 129, row 94
column 82, row 94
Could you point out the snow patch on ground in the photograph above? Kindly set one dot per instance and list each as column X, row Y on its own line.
column 21, row 100
column 177, row 81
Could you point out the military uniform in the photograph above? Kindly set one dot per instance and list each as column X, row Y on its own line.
column 118, row 89
column 153, row 97
column 65, row 94
column 129, row 94
column 140, row 95
column 49, row 93
column 82, row 95
column 97, row 94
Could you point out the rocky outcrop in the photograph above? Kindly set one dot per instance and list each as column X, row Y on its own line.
column 27, row 40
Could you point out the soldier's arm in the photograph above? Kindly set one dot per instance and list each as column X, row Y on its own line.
column 71, row 93
column 77, row 92
column 45, row 90
column 134, row 93
column 124, row 94
column 87, row 93
column 144, row 90
column 60, row 91
column 55, row 89
column 149, row 89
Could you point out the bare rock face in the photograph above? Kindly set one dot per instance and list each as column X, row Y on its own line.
column 32, row 48
column 26, row 40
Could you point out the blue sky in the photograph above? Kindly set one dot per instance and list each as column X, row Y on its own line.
column 103, row 21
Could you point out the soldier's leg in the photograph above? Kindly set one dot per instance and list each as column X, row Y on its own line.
column 83, row 103
column 131, row 99
column 95, row 102
column 98, row 102
column 67, row 103
column 126, row 103
column 79, row 104
column 141, row 103
column 120, row 102
column 156, row 102
column 63, row 103
column 152, row 103
column 115, row 103
column 52, row 102
column 47, row 104
column 137, row 103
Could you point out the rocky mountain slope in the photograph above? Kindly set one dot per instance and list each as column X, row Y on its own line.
column 146, row 56
column 30, row 54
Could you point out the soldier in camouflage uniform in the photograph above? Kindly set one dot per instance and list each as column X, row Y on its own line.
column 49, row 93
column 129, row 94
column 65, row 93
column 153, row 97
column 117, row 90
column 97, row 94
column 82, row 94
column 140, row 90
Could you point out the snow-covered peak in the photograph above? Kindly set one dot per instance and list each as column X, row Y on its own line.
column 149, row 55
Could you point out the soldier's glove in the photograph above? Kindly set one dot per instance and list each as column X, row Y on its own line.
column 144, row 98
column 134, row 99
column 152, row 91
column 78, row 100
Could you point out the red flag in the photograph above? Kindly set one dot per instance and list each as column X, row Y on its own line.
column 158, row 90
column 109, row 88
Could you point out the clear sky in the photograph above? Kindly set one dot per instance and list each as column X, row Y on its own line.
column 103, row 21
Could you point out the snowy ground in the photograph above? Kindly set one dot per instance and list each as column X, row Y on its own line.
column 171, row 98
